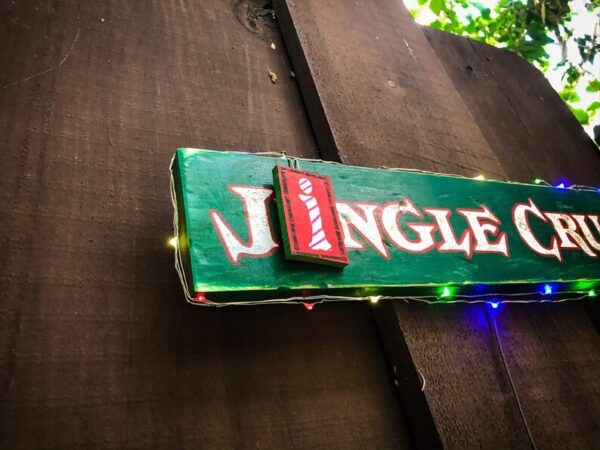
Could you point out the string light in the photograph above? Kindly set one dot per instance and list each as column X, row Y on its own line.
column 309, row 306
column 295, row 160
column 447, row 292
column 564, row 185
column 173, row 242
column 584, row 285
column 494, row 304
column 479, row 177
column 427, row 300
column 374, row 298
column 547, row 289
column 200, row 298
column 592, row 293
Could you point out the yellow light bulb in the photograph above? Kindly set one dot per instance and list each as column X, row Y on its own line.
column 173, row 242
column 479, row 177
column 374, row 298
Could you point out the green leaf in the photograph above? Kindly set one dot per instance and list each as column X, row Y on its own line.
column 593, row 107
column 436, row 6
column 573, row 74
column 531, row 51
column 569, row 96
column 582, row 116
column 593, row 86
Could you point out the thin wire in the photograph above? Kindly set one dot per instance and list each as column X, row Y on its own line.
column 582, row 187
column 579, row 187
column 318, row 299
column 424, row 380
column 492, row 325
column 178, row 262
column 53, row 67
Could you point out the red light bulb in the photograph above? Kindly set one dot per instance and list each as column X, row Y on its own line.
column 200, row 298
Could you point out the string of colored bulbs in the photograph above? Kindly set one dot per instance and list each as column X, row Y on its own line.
column 447, row 295
column 539, row 181
column 560, row 184
column 309, row 302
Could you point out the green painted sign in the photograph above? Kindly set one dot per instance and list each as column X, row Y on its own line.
column 405, row 233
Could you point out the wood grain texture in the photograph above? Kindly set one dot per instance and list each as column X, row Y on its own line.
column 468, row 391
column 97, row 347
column 552, row 351
column 523, row 119
column 426, row 126
column 553, row 355
column 471, row 109
column 384, row 96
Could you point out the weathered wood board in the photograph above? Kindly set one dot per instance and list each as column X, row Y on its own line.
column 374, row 86
column 553, row 353
column 97, row 345
column 98, row 349
column 522, row 118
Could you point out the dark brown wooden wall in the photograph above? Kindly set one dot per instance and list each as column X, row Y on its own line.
column 97, row 345
column 552, row 351
column 98, row 348
column 382, row 90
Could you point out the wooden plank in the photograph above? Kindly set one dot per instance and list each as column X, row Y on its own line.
column 524, row 120
column 97, row 348
column 409, row 379
column 375, row 91
column 552, row 351
column 385, row 99
column 462, row 375
column 553, row 357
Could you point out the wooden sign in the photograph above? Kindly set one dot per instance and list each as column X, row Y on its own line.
column 308, row 218
column 404, row 232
